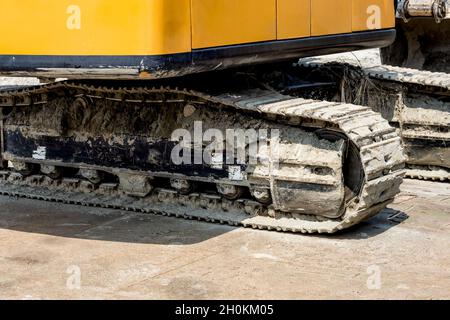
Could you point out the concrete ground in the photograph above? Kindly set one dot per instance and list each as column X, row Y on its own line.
column 59, row 251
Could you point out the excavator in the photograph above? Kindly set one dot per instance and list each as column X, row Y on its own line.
column 198, row 109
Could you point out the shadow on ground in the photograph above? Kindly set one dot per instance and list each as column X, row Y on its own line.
column 384, row 221
column 72, row 221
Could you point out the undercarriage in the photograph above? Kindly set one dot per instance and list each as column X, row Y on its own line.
column 329, row 166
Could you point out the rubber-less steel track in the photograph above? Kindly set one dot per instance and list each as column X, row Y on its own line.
column 417, row 103
column 379, row 147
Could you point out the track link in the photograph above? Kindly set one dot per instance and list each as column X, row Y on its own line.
column 379, row 147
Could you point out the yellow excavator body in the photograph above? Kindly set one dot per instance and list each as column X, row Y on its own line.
column 152, row 36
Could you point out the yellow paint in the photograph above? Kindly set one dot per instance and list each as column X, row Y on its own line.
column 155, row 27
column 293, row 19
column 226, row 22
column 331, row 17
column 106, row 27
column 364, row 12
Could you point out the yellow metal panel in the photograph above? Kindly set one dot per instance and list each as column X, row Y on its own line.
column 226, row 22
column 94, row 27
column 331, row 17
column 294, row 19
column 373, row 14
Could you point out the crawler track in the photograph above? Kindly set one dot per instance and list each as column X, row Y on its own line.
column 378, row 148
column 416, row 102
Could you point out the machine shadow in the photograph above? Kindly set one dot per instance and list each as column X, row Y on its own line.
column 71, row 221
column 387, row 219
column 78, row 222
